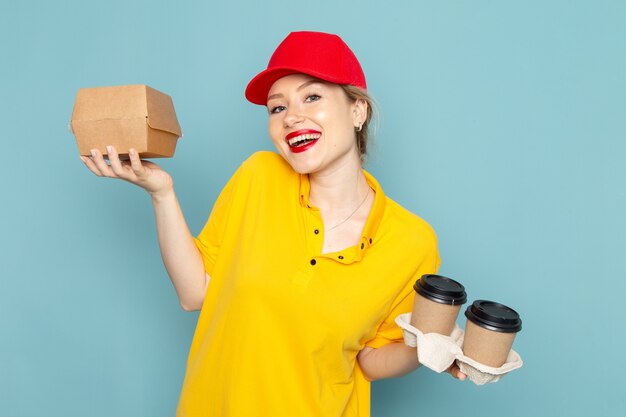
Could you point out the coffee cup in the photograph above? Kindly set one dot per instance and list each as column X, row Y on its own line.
column 489, row 332
column 438, row 300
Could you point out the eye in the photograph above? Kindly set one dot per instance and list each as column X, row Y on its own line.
column 276, row 109
column 312, row 97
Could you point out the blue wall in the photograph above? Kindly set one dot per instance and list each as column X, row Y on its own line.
column 502, row 123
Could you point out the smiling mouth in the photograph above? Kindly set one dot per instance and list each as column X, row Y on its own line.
column 303, row 139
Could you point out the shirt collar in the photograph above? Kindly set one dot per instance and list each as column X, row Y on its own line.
column 373, row 220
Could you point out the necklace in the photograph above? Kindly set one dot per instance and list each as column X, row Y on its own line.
column 351, row 214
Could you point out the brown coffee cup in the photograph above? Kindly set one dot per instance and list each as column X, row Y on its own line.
column 438, row 300
column 489, row 332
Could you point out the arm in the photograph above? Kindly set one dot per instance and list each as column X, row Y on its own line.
column 389, row 361
column 392, row 361
column 181, row 257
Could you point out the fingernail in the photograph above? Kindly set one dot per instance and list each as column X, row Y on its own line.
column 109, row 149
column 93, row 153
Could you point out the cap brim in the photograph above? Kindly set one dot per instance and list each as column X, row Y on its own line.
column 259, row 86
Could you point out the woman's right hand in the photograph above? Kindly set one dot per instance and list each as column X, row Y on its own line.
column 145, row 174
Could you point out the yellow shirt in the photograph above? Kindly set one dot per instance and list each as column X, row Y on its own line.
column 282, row 323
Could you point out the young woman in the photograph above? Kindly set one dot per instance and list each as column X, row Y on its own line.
column 304, row 262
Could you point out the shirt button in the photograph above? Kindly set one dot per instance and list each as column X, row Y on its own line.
column 316, row 231
column 340, row 256
column 362, row 245
column 370, row 240
column 313, row 261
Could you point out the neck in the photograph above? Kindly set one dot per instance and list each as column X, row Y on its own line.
column 342, row 188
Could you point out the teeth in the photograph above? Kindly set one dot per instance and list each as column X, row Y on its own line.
column 301, row 138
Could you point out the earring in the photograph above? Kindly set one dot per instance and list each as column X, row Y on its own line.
column 358, row 129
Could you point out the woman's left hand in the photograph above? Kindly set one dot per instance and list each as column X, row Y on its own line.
column 456, row 372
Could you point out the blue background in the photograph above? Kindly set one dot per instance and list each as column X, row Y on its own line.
column 502, row 123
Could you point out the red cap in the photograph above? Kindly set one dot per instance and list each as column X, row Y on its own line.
column 321, row 55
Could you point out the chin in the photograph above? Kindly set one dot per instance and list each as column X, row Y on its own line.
column 302, row 167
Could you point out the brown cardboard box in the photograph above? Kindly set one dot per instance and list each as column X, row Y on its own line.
column 131, row 116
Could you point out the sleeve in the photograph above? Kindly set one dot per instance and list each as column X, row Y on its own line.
column 211, row 237
column 389, row 331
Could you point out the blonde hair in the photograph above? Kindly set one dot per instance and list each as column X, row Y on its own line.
column 362, row 136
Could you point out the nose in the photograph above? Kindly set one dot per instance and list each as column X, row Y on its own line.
column 292, row 117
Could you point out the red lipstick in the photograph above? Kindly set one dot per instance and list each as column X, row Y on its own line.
column 301, row 132
column 298, row 145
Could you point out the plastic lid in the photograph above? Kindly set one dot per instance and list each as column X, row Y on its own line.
column 494, row 316
column 440, row 289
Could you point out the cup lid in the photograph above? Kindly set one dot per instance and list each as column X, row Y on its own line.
column 440, row 289
column 494, row 316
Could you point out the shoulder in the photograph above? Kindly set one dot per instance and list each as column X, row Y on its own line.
column 266, row 161
column 401, row 227
column 266, row 169
column 263, row 166
column 413, row 229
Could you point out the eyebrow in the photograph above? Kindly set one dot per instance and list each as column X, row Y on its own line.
column 303, row 85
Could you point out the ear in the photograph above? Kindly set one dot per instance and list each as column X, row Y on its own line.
column 359, row 112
